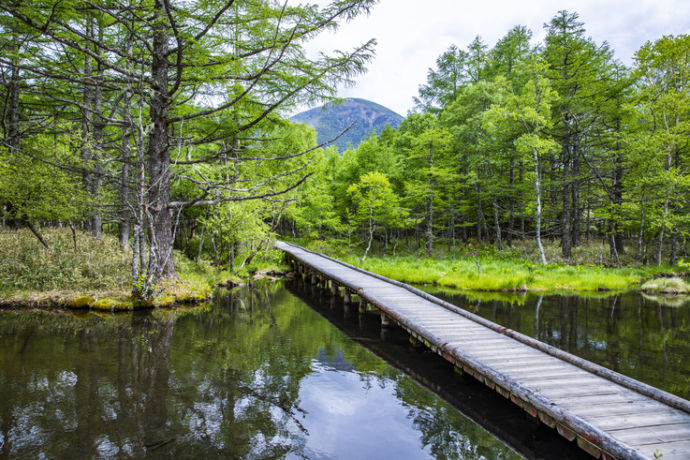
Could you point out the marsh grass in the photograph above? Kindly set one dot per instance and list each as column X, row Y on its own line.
column 503, row 274
column 28, row 267
column 672, row 285
column 95, row 275
column 512, row 270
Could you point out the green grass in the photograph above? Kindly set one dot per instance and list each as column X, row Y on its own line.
column 97, row 273
column 501, row 275
column 510, row 270
column 667, row 285
column 28, row 267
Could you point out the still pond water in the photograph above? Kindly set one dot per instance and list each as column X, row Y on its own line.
column 280, row 371
column 646, row 338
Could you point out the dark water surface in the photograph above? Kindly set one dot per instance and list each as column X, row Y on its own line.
column 258, row 374
column 642, row 337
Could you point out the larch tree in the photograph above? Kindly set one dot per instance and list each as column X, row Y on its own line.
column 575, row 66
column 663, row 67
column 188, row 83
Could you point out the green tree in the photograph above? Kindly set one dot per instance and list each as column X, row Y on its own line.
column 444, row 82
column 375, row 204
column 526, row 112
column 663, row 67
column 224, row 68
column 576, row 65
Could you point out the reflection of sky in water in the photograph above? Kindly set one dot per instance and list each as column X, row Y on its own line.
column 337, row 362
column 217, row 384
column 344, row 411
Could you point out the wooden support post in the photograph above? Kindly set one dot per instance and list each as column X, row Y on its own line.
column 383, row 335
column 313, row 278
column 385, row 320
column 362, row 306
column 416, row 344
column 333, row 288
column 347, row 297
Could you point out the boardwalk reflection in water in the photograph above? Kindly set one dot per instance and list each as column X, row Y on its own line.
column 483, row 406
column 258, row 374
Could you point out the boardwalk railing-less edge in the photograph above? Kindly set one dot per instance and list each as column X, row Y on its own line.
column 608, row 414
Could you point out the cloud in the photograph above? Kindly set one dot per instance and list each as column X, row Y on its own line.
column 412, row 34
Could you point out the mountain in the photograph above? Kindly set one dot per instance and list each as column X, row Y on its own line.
column 331, row 119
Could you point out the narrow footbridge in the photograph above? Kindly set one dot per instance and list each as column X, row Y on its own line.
column 607, row 414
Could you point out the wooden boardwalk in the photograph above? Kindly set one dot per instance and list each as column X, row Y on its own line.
column 607, row 414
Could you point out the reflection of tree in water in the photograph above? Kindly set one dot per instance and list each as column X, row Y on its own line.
column 95, row 388
column 446, row 432
column 629, row 333
column 216, row 381
column 153, row 384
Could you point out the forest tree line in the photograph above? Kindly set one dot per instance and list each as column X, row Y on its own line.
column 557, row 140
column 159, row 120
column 164, row 123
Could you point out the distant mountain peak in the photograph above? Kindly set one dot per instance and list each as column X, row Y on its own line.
column 331, row 119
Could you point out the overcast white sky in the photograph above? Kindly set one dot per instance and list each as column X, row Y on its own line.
column 411, row 34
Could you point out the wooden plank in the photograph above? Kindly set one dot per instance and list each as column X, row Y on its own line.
column 616, row 408
column 526, row 374
column 541, row 384
column 494, row 346
column 566, row 374
column 582, row 402
column 490, row 359
column 667, row 450
column 640, row 436
column 455, row 328
column 603, row 388
column 538, row 364
column 620, row 422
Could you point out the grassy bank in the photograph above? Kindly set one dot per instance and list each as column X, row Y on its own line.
column 487, row 269
column 81, row 271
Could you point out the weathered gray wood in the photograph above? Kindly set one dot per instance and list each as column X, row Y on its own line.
column 606, row 407
column 640, row 436
column 585, row 402
column 604, row 410
column 666, row 450
column 620, row 422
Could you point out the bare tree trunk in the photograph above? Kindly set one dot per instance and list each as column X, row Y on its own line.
column 638, row 259
column 38, row 235
column 430, row 206
column 372, row 226
column 511, row 210
column 452, row 228
column 575, row 200
column 497, row 224
column 480, row 215
column 660, row 244
column 537, row 185
column 91, row 136
column 521, row 172
column 161, row 263
column 566, row 234
column 124, row 217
